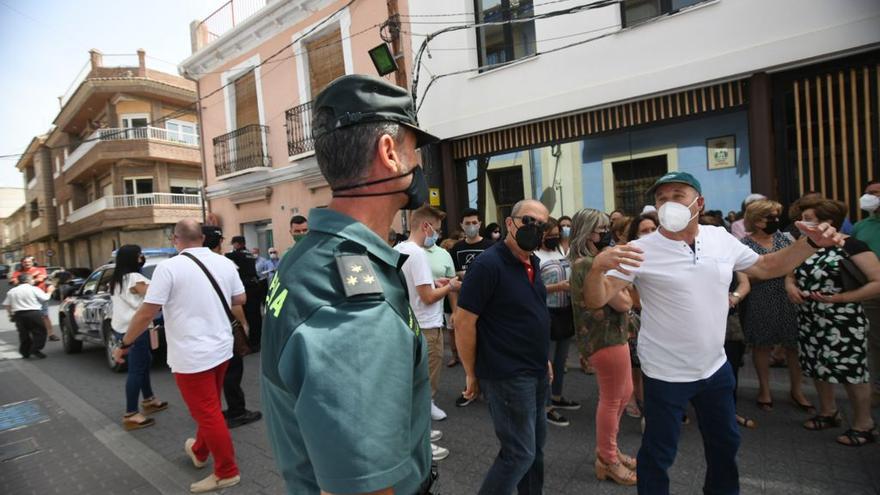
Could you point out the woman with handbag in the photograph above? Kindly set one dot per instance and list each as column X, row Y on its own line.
column 602, row 336
column 555, row 271
column 833, row 326
column 127, row 289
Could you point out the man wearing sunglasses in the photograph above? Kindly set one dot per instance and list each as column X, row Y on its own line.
column 502, row 329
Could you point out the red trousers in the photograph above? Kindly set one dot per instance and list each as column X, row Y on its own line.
column 201, row 392
column 614, row 374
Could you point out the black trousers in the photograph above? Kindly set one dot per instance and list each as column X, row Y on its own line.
column 253, row 313
column 31, row 331
column 232, row 387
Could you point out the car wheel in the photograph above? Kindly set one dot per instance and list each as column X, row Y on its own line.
column 111, row 343
column 70, row 344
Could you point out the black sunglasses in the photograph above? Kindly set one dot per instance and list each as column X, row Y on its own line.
column 529, row 220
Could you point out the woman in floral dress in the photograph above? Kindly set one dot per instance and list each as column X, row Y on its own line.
column 833, row 326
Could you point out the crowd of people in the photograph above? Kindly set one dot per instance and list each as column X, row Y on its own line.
column 662, row 307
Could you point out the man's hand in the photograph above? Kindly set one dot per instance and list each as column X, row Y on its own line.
column 119, row 355
column 472, row 387
column 455, row 284
column 823, row 235
column 550, row 371
column 619, row 258
column 441, row 282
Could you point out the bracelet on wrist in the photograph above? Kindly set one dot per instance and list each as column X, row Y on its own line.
column 123, row 345
column 813, row 244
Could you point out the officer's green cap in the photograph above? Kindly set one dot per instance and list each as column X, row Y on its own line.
column 678, row 178
column 360, row 99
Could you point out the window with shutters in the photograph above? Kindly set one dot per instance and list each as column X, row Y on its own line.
column 246, row 108
column 326, row 59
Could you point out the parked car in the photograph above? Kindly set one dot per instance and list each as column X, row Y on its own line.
column 85, row 315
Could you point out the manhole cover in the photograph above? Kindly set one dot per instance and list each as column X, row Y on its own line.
column 21, row 414
column 18, row 449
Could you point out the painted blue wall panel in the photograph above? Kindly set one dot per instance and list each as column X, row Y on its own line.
column 724, row 189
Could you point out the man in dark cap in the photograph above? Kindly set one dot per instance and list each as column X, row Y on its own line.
column 345, row 369
column 246, row 262
column 236, row 414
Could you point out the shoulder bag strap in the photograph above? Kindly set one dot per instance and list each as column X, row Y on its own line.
column 213, row 283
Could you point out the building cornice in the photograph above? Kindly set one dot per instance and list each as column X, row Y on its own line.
column 273, row 19
column 305, row 170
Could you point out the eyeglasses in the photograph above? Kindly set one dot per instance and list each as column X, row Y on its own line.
column 529, row 220
column 601, row 230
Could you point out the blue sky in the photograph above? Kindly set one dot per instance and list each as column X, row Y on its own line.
column 44, row 44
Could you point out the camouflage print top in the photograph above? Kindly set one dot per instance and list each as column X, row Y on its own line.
column 594, row 329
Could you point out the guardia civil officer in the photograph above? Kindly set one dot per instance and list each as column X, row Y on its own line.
column 246, row 262
column 345, row 370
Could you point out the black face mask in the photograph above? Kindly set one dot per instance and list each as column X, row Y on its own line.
column 772, row 226
column 604, row 242
column 528, row 237
column 416, row 192
column 551, row 243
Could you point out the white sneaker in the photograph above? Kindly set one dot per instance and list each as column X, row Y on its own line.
column 438, row 453
column 436, row 435
column 437, row 414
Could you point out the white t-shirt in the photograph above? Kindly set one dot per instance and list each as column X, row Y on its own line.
column 684, row 302
column 196, row 326
column 124, row 302
column 417, row 271
column 25, row 297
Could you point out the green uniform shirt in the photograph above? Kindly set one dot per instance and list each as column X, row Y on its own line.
column 868, row 231
column 345, row 373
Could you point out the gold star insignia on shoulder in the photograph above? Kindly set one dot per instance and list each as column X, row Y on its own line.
column 351, row 280
column 369, row 279
column 356, row 268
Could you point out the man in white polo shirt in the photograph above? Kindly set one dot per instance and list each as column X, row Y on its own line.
column 683, row 272
column 426, row 298
column 200, row 342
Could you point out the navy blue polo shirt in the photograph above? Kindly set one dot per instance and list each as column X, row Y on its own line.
column 513, row 328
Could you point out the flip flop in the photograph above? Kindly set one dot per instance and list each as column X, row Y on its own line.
column 764, row 406
column 747, row 422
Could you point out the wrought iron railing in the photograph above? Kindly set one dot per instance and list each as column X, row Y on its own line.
column 242, row 149
column 230, row 14
column 298, row 121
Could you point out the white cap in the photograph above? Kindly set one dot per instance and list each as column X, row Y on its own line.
column 648, row 209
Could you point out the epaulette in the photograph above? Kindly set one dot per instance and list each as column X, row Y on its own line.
column 356, row 270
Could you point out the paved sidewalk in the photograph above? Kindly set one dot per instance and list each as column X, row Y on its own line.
column 81, row 447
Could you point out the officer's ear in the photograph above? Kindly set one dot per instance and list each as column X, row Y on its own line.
column 387, row 153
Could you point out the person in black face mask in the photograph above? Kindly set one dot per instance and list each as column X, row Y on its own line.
column 345, row 278
column 768, row 317
column 510, row 357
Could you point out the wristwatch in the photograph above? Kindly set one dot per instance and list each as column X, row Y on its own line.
column 123, row 345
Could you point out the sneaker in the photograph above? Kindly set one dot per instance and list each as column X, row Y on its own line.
column 564, row 403
column 554, row 418
column 243, row 419
column 437, row 414
column 436, row 435
column 54, row 338
column 39, row 354
column 462, row 401
column 213, row 483
column 188, row 448
column 438, row 453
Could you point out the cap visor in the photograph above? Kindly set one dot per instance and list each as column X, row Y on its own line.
column 422, row 137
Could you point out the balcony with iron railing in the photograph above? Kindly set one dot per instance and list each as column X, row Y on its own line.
column 130, row 209
column 298, row 121
column 246, row 148
column 157, row 134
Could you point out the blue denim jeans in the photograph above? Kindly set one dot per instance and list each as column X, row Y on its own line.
column 517, row 409
column 138, row 382
column 713, row 401
column 558, row 356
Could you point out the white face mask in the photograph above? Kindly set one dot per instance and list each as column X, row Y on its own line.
column 869, row 203
column 675, row 217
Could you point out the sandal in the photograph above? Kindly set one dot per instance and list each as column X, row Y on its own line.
column 618, row 473
column 452, row 362
column 764, row 406
column 747, row 422
column 806, row 407
column 633, row 410
column 627, row 461
column 819, row 422
column 154, row 406
column 128, row 424
column 857, row 438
